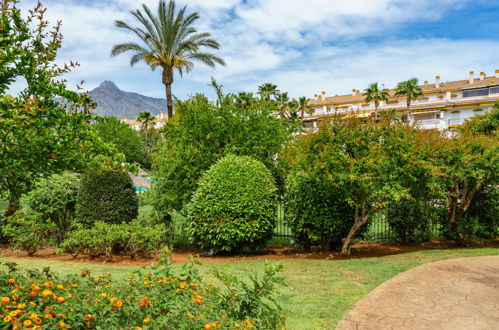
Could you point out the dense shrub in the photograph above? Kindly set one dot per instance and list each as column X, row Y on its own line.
column 29, row 231
column 414, row 220
column 234, row 207
column 106, row 196
column 315, row 212
column 132, row 239
column 54, row 198
column 153, row 298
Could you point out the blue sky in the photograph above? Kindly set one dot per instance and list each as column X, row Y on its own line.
column 304, row 47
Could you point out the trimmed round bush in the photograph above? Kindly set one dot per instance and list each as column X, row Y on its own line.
column 316, row 213
column 106, row 196
column 234, row 207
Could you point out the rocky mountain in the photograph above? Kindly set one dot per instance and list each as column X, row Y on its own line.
column 112, row 101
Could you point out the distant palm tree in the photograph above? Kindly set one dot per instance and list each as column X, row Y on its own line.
column 285, row 107
column 244, row 99
column 267, row 90
column 410, row 89
column 374, row 93
column 85, row 102
column 146, row 122
column 303, row 106
column 169, row 41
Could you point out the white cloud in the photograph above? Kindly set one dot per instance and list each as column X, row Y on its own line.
column 304, row 46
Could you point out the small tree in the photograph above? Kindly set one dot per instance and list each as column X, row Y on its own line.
column 54, row 199
column 106, row 196
column 234, row 207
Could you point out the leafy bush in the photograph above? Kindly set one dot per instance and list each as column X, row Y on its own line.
column 54, row 199
column 315, row 212
column 106, row 196
column 234, row 207
column 153, row 298
column 29, row 232
column 132, row 239
column 413, row 220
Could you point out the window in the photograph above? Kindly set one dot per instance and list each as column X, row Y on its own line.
column 494, row 90
column 476, row 92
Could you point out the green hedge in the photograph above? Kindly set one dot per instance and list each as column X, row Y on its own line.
column 106, row 196
column 234, row 207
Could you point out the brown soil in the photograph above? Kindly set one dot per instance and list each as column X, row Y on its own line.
column 361, row 250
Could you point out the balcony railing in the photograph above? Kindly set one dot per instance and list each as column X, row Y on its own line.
column 456, row 121
column 428, row 123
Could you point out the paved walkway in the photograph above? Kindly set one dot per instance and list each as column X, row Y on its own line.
column 451, row 294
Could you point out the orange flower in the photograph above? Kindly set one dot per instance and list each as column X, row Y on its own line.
column 145, row 302
column 61, row 299
column 119, row 303
column 48, row 316
column 62, row 324
column 32, row 294
column 100, row 280
column 5, row 300
column 47, row 293
column 88, row 316
column 146, row 282
column 38, row 321
column 33, row 316
column 11, row 281
column 36, row 288
column 27, row 323
column 15, row 313
column 131, row 277
column 85, row 272
column 60, row 287
column 248, row 323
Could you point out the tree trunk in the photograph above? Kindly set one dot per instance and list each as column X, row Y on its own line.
column 168, row 81
column 376, row 108
column 360, row 220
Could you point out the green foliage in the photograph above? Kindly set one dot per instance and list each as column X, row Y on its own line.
column 29, row 232
column 414, row 220
column 315, row 210
column 487, row 123
column 366, row 166
column 133, row 239
column 153, row 298
column 106, row 196
column 201, row 133
column 126, row 140
column 54, row 199
column 234, row 207
column 38, row 136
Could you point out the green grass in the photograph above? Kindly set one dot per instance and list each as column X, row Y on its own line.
column 319, row 292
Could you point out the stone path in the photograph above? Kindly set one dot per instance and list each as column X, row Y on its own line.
column 451, row 294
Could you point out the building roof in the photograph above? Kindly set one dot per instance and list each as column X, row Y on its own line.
column 426, row 88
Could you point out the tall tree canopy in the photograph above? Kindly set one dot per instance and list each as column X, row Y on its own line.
column 410, row 90
column 169, row 41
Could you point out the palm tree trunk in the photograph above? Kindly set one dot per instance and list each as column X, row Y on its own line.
column 168, row 81
column 376, row 108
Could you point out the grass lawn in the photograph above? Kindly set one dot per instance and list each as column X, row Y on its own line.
column 319, row 292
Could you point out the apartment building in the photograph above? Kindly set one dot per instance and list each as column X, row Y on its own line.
column 443, row 105
column 159, row 121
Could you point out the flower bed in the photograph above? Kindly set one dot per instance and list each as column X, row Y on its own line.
column 153, row 298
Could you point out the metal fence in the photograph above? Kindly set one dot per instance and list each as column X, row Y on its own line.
column 378, row 229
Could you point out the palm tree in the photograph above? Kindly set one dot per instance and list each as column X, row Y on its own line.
column 410, row 89
column 168, row 41
column 146, row 122
column 303, row 106
column 244, row 99
column 267, row 90
column 374, row 93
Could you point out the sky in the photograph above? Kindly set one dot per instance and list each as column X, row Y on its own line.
column 303, row 46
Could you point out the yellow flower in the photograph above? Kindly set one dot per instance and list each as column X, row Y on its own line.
column 61, row 299
column 249, row 324
column 103, row 295
column 146, row 282
column 5, row 300
column 48, row 284
column 60, row 287
column 62, row 324
column 7, row 319
column 190, row 315
column 147, row 320
column 33, row 316
column 238, row 325
column 11, row 281
column 119, row 303
column 38, row 320
column 88, row 316
column 27, row 323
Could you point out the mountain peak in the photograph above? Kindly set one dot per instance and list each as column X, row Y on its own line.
column 107, row 84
